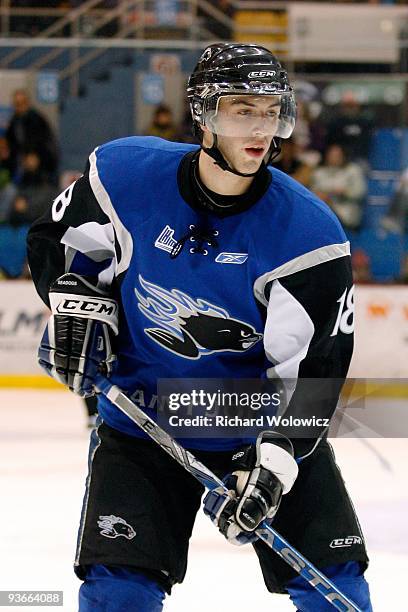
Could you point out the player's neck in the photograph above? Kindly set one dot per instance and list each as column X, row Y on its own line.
column 221, row 181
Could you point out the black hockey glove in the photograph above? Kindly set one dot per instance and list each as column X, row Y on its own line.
column 77, row 340
column 261, row 474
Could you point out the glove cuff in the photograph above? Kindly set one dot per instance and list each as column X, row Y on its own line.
column 280, row 463
column 272, row 451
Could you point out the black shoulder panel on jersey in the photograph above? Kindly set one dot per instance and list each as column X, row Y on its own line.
column 318, row 289
column 325, row 291
column 74, row 207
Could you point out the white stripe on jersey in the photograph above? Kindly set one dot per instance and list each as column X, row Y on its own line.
column 308, row 260
column 94, row 240
column 288, row 333
column 102, row 196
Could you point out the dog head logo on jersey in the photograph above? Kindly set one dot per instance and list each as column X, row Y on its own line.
column 191, row 327
column 113, row 527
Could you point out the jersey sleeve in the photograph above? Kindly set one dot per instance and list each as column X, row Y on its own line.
column 308, row 340
column 75, row 235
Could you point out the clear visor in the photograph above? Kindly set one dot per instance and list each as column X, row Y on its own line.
column 251, row 115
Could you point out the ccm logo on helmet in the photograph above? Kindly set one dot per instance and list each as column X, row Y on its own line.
column 81, row 306
column 262, row 73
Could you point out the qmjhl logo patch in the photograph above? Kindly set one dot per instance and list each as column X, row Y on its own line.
column 166, row 241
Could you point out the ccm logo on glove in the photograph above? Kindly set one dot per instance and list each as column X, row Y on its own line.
column 76, row 305
column 98, row 308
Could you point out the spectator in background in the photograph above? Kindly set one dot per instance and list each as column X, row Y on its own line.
column 6, row 162
column 184, row 130
column 342, row 185
column 162, row 124
column 396, row 220
column 361, row 265
column 351, row 129
column 403, row 277
column 7, row 188
column 290, row 162
column 13, row 264
column 35, row 186
column 309, row 133
column 27, row 131
column 19, row 212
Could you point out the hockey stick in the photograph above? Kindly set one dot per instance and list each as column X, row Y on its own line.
column 265, row 532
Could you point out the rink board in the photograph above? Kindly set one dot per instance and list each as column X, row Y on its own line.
column 381, row 339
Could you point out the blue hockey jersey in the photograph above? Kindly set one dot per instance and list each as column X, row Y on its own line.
column 269, row 294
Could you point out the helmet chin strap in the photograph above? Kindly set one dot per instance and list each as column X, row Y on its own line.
column 220, row 160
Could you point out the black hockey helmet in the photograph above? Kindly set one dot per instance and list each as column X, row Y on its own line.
column 228, row 69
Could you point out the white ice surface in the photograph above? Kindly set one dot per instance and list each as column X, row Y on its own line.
column 43, row 455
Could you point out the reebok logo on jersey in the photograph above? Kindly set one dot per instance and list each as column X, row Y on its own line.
column 231, row 258
column 345, row 542
column 166, row 241
column 112, row 526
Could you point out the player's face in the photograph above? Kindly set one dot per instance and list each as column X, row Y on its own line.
column 245, row 126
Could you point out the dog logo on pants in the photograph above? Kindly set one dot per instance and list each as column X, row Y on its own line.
column 113, row 527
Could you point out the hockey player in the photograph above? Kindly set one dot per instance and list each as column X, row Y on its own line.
column 171, row 260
